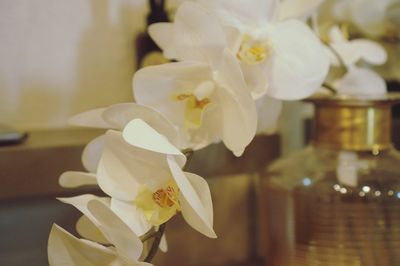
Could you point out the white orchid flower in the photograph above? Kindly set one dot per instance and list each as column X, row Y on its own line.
column 358, row 80
column 370, row 16
column 352, row 51
column 65, row 249
column 283, row 59
column 140, row 154
column 299, row 9
column 146, row 182
column 207, row 103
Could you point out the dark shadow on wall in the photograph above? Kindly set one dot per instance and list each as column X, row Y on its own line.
column 105, row 65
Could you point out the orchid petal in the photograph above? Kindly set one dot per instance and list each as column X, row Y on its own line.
column 195, row 202
column 80, row 202
column 155, row 86
column 87, row 229
column 163, row 244
column 300, row 9
column 91, row 118
column 72, row 179
column 370, row 51
column 123, row 167
column 336, row 35
column 129, row 213
column 360, row 81
column 66, row 250
column 92, row 153
column 370, row 16
column 158, row 87
column 238, row 108
column 120, row 115
column 198, row 35
column 299, row 62
column 139, row 134
column 235, row 12
column 126, row 242
column 268, row 110
column 162, row 34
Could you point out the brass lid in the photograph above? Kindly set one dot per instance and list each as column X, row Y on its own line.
column 353, row 123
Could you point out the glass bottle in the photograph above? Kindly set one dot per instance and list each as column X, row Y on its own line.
column 337, row 202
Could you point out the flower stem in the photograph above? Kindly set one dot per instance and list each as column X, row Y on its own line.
column 156, row 243
column 337, row 55
column 329, row 87
column 157, row 235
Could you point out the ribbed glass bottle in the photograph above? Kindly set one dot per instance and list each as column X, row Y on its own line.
column 337, row 202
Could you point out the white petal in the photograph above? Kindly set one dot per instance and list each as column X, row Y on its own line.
column 336, row 35
column 80, row 202
column 92, row 118
column 87, row 229
column 120, row 115
column 163, row 35
column 299, row 63
column 300, row 9
column 251, row 13
column 66, row 250
column 156, row 86
column 210, row 130
column 139, row 134
column 195, row 202
column 237, row 105
column 198, row 35
column 72, row 179
column 361, row 81
column 163, row 244
column 370, row 51
column 126, row 242
column 369, row 16
column 130, row 214
column 256, row 79
column 92, row 153
column 268, row 110
column 123, row 168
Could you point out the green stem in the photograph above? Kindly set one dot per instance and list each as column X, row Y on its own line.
column 156, row 243
column 329, row 87
column 157, row 235
column 337, row 55
column 152, row 233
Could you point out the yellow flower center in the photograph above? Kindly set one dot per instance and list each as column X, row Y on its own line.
column 253, row 51
column 159, row 206
column 195, row 103
column 166, row 197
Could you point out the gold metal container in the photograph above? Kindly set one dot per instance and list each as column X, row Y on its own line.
column 337, row 202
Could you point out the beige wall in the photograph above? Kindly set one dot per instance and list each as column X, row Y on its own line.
column 58, row 57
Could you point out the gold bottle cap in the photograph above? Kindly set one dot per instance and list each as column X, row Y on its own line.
column 353, row 123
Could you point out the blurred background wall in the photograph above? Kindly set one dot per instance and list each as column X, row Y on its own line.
column 58, row 58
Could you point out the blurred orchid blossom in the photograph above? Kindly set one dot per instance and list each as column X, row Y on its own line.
column 299, row 9
column 352, row 51
column 283, row 59
column 370, row 16
column 358, row 80
column 66, row 250
column 207, row 102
